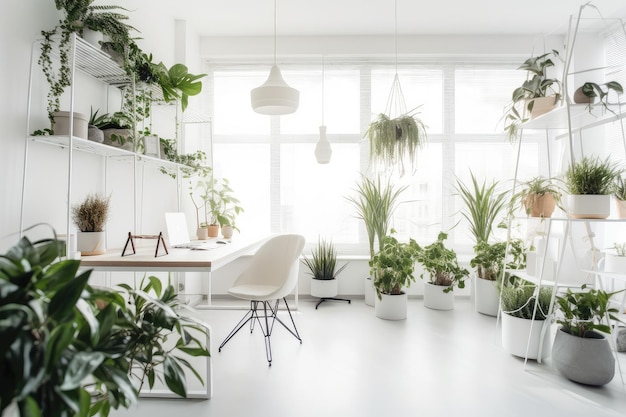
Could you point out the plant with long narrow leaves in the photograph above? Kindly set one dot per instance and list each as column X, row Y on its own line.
column 591, row 176
column 323, row 262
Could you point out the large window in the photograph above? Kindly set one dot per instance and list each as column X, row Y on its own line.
column 270, row 162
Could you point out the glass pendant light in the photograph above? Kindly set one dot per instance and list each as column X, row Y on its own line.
column 274, row 96
column 323, row 152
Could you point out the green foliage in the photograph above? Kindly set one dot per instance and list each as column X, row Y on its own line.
column 216, row 196
column 585, row 311
column 518, row 300
column 91, row 214
column 177, row 82
column 375, row 203
column 392, row 267
column 593, row 90
column 393, row 140
column 620, row 248
column 619, row 188
column 441, row 264
column 68, row 349
column 489, row 258
column 323, row 262
column 531, row 190
column 483, row 204
column 591, row 176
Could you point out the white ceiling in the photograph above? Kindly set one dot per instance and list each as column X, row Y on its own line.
column 376, row 17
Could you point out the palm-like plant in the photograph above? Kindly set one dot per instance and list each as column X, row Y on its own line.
column 375, row 203
column 483, row 205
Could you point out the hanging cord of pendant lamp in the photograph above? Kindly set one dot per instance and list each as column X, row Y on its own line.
column 323, row 151
column 275, row 97
column 396, row 105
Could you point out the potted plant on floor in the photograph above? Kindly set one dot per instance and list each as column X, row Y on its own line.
column 581, row 352
column 392, row 271
column 69, row 349
column 537, row 95
column 538, row 197
column 483, row 204
column 589, row 184
column 323, row 270
column 90, row 216
column 375, row 202
column 444, row 273
column 524, row 312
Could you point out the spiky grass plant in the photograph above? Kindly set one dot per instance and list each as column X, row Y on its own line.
column 591, row 176
column 518, row 300
column 376, row 200
column 323, row 262
column 619, row 188
column 91, row 214
column 483, row 205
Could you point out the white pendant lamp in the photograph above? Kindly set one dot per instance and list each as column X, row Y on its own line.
column 274, row 96
column 323, row 152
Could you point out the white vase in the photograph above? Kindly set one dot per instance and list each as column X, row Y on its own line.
column 588, row 206
column 486, row 296
column 515, row 337
column 391, row 307
column 202, row 233
column 588, row 360
column 436, row 298
column 91, row 243
column 227, row 231
column 323, row 288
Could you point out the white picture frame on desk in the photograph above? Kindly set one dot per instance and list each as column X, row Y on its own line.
column 152, row 147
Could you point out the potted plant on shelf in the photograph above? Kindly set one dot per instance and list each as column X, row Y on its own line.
column 392, row 271
column 483, row 203
column 118, row 129
column 538, row 197
column 537, row 95
column 323, row 270
column 375, row 202
column 99, row 340
column 619, row 193
column 392, row 140
column 581, row 352
column 616, row 261
column 524, row 312
column 589, row 91
column 444, row 273
column 90, row 216
column 589, row 183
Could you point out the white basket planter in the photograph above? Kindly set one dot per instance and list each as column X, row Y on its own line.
column 391, row 307
column 436, row 299
column 515, row 337
column 323, row 288
column 588, row 206
column 486, row 296
column 91, row 243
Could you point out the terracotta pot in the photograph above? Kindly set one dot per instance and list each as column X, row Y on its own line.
column 213, row 230
column 620, row 205
column 539, row 205
column 542, row 105
column 581, row 98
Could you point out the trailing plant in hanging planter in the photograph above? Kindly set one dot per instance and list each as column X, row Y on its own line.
column 392, row 140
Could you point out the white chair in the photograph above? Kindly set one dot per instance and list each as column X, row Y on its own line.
column 270, row 277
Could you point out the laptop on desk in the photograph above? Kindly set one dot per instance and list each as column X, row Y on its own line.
column 178, row 234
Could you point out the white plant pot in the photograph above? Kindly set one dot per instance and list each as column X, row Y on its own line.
column 370, row 292
column 588, row 360
column 227, row 231
column 614, row 263
column 91, row 243
column 620, row 206
column 486, row 296
column 323, row 288
column 515, row 337
column 391, row 307
column 202, row 233
column 62, row 124
column 588, row 206
column 435, row 298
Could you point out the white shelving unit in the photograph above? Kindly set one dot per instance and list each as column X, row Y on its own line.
column 568, row 123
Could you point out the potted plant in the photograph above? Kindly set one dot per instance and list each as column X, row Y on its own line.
column 616, row 261
column 118, row 129
column 392, row 140
column 70, row 349
column 524, row 312
column 619, row 193
column 538, row 197
column 483, row 203
column 392, row 270
column 94, row 133
column 90, row 216
column 589, row 183
column 444, row 273
column 323, row 270
column 222, row 207
column 589, row 91
column 581, row 352
column 537, row 95
column 375, row 202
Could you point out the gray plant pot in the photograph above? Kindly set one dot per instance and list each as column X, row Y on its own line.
column 588, row 360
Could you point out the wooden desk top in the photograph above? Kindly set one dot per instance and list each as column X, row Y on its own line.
column 177, row 260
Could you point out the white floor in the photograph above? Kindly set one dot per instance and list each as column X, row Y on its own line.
column 435, row 363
